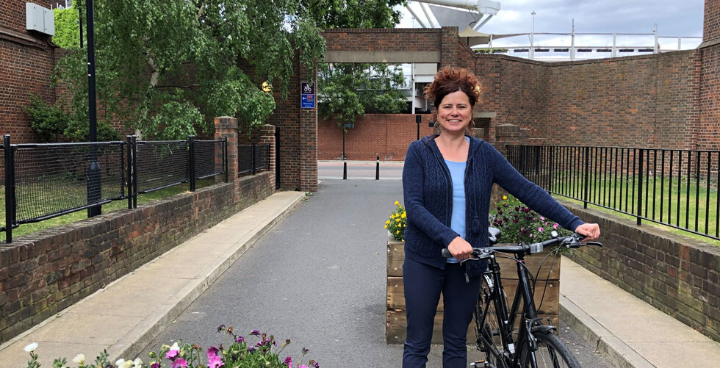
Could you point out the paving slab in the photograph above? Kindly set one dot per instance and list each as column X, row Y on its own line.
column 628, row 331
column 129, row 312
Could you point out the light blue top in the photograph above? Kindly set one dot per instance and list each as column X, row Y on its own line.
column 457, row 222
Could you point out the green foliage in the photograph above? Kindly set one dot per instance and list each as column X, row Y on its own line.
column 350, row 90
column 518, row 223
column 79, row 131
column 353, row 13
column 494, row 50
column 67, row 28
column 169, row 67
column 47, row 120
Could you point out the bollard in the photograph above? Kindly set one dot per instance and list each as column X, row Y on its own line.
column 344, row 168
column 377, row 169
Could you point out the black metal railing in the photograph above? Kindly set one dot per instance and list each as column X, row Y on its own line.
column 253, row 158
column 42, row 181
column 676, row 188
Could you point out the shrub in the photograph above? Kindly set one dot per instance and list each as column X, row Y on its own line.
column 239, row 353
column 518, row 223
column 47, row 120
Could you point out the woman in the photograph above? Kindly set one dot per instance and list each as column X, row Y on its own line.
column 447, row 182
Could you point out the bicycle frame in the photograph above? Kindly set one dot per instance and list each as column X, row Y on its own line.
column 507, row 322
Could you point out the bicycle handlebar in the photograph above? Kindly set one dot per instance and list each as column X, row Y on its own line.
column 570, row 241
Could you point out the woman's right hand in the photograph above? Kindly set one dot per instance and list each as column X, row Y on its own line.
column 460, row 249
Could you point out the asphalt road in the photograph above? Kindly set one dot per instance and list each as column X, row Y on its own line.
column 317, row 278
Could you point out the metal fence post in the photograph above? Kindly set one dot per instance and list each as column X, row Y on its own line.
column 134, row 170
column 586, row 177
column 640, row 187
column 191, row 158
column 128, row 140
column 9, row 189
column 225, row 159
column 252, row 157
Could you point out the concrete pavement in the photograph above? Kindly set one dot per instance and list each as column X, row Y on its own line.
column 129, row 313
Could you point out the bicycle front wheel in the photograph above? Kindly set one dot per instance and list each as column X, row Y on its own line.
column 551, row 353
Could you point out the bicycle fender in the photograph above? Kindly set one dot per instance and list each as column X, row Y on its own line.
column 543, row 328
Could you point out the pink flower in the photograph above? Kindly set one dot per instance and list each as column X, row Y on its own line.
column 172, row 354
column 531, row 235
column 215, row 362
column 288, row 361
column 540, row 229
column 212, row 352
column 179, row 363
column 555, row 226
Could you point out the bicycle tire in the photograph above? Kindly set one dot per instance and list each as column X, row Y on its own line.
column 551, row 353
column 488, row 338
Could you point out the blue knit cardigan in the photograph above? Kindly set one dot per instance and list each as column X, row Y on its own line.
column 427, row 188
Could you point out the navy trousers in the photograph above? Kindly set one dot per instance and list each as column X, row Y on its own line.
column 423, row 285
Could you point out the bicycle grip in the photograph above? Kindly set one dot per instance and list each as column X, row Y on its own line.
column 446, row 253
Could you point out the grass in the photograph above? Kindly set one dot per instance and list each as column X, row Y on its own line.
column 30, row 228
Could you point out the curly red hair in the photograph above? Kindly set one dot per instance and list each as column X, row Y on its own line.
column 449, row 80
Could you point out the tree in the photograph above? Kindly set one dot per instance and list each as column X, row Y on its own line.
column 350, row 90
column 67, row 28
column 170, row 66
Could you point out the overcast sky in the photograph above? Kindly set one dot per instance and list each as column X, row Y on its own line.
column 673, row 18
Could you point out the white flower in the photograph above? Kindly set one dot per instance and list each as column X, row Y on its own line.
column 31, row 347
column 120, row 362
column 137, row 363
column 127, row 364
column 79, row 359
column 175, row 346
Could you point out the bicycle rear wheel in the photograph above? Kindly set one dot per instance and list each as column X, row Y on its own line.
column 488, row 335
column 551, row 353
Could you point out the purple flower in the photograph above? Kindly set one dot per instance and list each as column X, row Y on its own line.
column 500, row 213
column 517, row 208
column 251, row 349
column 212, row 352
column 172, row 354
column 220, row 328
column 255, row 332
column 515, row 221
column 288, row 361
column 179, row 363
column 505, row 205
column 155, row 365
column 304, row 351
column 240, row 339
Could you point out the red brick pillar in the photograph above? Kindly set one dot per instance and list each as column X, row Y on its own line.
column 307, row 121
column 226, row 127
column 267, row 136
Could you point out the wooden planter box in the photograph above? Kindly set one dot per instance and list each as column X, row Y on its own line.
column 396, row 322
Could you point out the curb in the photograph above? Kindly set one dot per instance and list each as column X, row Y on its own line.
column 606, row 344
column 135, row 341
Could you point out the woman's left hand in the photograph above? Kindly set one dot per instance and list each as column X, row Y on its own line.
column 591, row 231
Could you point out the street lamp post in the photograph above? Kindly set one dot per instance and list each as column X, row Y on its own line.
column 93, row 183
column 532, row 36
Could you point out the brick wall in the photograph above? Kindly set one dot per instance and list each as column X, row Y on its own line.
column 384, row 135
column 45, row 272
column 709, row 100
column 26, row 64
column 711, row 21
column 380, row 39
column 679, row 276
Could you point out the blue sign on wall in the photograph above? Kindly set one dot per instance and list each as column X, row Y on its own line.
column 307, row 95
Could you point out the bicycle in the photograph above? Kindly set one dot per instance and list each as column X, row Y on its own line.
column 533, row 345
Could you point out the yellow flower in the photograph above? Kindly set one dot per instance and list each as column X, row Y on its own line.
column 397, row 219
column 404, row 215
column 387, row 222
column 398, row 232
column 386, row 226
column 505, row 197
column 397, row 203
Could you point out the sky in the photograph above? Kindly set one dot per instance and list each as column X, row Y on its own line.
column 672, row 17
